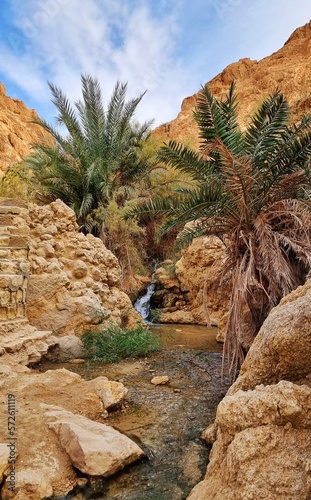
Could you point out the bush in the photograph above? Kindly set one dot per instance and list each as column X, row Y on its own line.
column 114, row 343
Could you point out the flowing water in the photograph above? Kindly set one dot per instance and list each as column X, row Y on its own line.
column 166, row 421
column 142, row 305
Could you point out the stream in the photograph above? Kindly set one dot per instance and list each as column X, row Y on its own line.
column 166, row 421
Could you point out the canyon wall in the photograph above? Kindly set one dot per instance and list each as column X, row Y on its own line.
column 17, row 130
column 288, row 69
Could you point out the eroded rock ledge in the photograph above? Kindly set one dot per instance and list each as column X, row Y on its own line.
column 262, row 432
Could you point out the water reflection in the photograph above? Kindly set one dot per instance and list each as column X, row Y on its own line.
column 188, row 336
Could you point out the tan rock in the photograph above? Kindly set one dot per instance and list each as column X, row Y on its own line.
column 197, row 296
column 74, row 277
column 4, row 457
column 282, row 348
column 95, row 449
column 160, row 380
column 261, row 436
column 17, row 130
column 66, row 348
column 112, row 394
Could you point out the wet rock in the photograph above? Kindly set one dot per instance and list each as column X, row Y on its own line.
column 160, row 380
column 95, row 449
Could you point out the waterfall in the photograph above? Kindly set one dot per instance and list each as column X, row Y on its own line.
column 142, row 305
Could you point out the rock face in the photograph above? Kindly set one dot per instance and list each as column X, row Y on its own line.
column 192, row 293
column 74, row 280
column 288, row 69
column 17, row 132
column 262, row 447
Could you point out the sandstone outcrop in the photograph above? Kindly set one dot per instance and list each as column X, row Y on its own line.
column 17, row 132
column 262, row 432
column 74, row 279
column 288, row 69
column 44, row 463
column 192, row 293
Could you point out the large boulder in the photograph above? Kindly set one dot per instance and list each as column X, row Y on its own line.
column 94, row 448
column 262, row 432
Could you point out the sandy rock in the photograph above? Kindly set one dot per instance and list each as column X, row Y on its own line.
column 282, row 348
column 4, row 457
column 68, row 347
column 17, row 132
column 24, row 342
column 31, row 484
column 193, row 295
column 261, row 436
column 160, row 380
column 95, row 449
column 74, row 280
column 112, row 394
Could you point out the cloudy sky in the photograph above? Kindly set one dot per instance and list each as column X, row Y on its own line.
column 169, row 47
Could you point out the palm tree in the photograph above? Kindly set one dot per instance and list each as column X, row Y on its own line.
column 251, row 191
column 98, row 154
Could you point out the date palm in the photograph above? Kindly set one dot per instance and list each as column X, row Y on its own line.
column 96, row 156
column 250, row 190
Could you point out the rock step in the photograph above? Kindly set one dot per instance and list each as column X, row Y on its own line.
column 12, row 202
column 22, row 337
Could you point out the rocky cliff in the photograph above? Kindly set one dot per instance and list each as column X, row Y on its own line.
column 17, row 132
column 261, row 436
column 288, row 69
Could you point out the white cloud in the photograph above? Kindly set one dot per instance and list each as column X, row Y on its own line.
column 169, row 48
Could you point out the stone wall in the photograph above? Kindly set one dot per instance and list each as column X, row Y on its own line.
column 14, row 265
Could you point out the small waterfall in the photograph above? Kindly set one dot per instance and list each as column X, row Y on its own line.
column 142, row 305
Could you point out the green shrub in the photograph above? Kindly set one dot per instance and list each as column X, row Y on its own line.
column 114, row 343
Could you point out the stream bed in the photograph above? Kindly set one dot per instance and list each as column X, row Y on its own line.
column 167, row 420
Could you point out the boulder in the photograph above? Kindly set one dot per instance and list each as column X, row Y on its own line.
column 112, row 394
column 66, row 348
column 95, row 449
column 261, row 435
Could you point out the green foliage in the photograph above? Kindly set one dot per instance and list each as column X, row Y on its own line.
column 114, row 343
column 98, row 154
column 250, row 190
column 155, row 315
column 18, row 182
column 126, row 239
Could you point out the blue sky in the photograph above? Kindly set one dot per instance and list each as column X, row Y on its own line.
column 169, row 47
